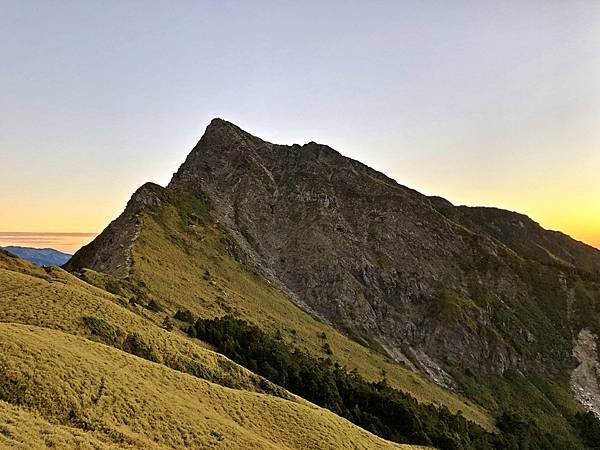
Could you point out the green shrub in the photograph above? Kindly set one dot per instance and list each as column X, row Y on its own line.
column 136, row 345
column 168, row 323
column 154, row 306
column 103, row 331
column 12, row 389
column 327, row 348
column 185, row 315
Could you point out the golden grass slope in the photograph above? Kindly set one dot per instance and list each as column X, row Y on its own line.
column 189, row 267
column 23, row 429
column 60, row 301
column 67, row 391
column 126, row 400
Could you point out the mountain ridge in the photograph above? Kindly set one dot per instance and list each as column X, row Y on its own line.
column 462, row 295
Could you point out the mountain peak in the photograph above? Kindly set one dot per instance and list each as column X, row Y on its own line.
column 217, row 122
column 468, row 297
column 219, row 130
column 220, row 142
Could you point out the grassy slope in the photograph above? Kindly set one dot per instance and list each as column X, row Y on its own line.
column 23, row 429
column 126, row 400
column 186, row 265
column 69, row 391
column 59, row 301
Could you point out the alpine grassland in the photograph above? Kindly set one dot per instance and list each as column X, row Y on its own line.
column 82, row 367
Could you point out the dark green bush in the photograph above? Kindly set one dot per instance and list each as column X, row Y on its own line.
column 102, row 330
column 168, row 323
column 185, row 315
column 12, row 389
column 154, row 306
column 136, row 345
column 376, row 407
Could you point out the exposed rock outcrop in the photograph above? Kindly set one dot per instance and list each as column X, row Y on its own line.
column 110, row 252
column 584, row 378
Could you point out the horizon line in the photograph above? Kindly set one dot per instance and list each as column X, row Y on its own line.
column 54, row 233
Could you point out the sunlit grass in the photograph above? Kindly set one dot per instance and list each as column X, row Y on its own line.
column 118, row 398
column 68, row 391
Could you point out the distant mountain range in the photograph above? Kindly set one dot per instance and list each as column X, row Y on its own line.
column 39, row 256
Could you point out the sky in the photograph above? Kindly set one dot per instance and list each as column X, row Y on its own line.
column 484, row 103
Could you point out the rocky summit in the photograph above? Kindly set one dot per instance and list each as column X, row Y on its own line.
column 481, row 301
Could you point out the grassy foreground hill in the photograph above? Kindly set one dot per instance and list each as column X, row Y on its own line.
column 82, row 368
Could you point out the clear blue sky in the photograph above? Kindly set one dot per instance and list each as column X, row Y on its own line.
column 487, row 102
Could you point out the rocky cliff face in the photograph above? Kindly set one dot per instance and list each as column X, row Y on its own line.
column 447, row 290
column 110, row 252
